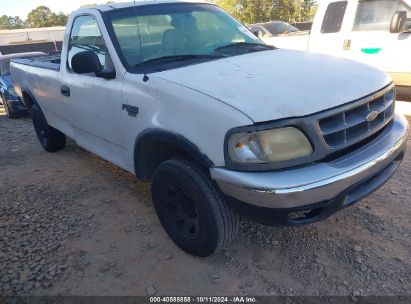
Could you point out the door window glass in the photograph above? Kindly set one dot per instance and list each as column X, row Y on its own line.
column 86, row 36
column 334, row 17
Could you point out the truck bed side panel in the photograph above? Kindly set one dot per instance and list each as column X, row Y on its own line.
column 44, row 85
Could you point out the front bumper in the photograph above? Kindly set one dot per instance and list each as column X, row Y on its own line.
column 347, row 179
column 15, row 105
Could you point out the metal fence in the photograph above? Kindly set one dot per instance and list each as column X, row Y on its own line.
column 46, row 47
column 31, row 40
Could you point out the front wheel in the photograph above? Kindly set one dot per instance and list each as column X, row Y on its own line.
column 191, row 208
column 50, row 139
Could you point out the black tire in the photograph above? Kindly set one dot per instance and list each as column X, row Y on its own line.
column 192, row 209
column 51, row 139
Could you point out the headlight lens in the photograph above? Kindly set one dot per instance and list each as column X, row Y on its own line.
column 12, row 92
column 269, row 146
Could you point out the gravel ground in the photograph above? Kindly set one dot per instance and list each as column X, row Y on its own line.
column 73, row 224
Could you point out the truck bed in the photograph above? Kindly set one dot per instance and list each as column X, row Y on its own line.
column 50, row 62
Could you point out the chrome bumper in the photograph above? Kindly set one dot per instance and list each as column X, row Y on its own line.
column 318, row 182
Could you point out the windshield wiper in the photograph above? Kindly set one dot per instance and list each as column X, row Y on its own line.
column 245, row 45
column 177, row 58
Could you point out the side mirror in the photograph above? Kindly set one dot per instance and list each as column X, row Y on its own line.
column 86, row 62
column 399, row 22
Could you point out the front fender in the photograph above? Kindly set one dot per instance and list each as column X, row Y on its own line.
column 156, row 145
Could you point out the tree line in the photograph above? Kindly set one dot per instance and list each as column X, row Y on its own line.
column 255, row 11
column 247, row 11
column 42, row 16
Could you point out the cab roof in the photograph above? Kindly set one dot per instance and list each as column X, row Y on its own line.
column 113, row 6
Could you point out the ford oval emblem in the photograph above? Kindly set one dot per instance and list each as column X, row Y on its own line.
column 372, row 116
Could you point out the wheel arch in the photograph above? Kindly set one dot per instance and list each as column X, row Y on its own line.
column 155, row 146
column 28, row 99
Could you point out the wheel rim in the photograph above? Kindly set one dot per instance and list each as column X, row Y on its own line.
column 181, row 211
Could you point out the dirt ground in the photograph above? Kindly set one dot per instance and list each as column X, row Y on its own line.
column 73, row 224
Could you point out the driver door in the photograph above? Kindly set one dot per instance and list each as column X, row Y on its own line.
column 93, row 104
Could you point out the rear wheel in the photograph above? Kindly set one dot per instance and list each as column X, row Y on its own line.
column 51, row 139
column 191, row 208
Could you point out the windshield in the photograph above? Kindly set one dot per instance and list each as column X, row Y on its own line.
column 181, row 30
column 4, row 67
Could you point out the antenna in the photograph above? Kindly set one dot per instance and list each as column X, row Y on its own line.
column 145, row 78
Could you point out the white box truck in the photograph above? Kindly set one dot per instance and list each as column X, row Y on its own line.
column 375, row 32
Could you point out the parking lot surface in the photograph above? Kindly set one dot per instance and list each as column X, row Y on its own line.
column 73, row 224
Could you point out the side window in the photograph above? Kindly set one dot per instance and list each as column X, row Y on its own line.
column 375, row 15
column 86, row 36
column 334, row 17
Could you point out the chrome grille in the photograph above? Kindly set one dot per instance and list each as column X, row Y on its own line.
column 358, row 122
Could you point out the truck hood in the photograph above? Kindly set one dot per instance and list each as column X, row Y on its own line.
column 279, row 84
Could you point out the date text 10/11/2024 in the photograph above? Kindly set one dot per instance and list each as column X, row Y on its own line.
column 238, row 299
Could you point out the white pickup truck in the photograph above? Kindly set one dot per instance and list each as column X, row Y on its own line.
column 375, row 32
column 185, row 97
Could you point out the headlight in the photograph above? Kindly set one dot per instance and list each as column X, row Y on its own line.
column 12, row 92
column 268, row 146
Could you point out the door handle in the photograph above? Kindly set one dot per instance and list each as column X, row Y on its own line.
column 347, row 45
column 65, row 90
